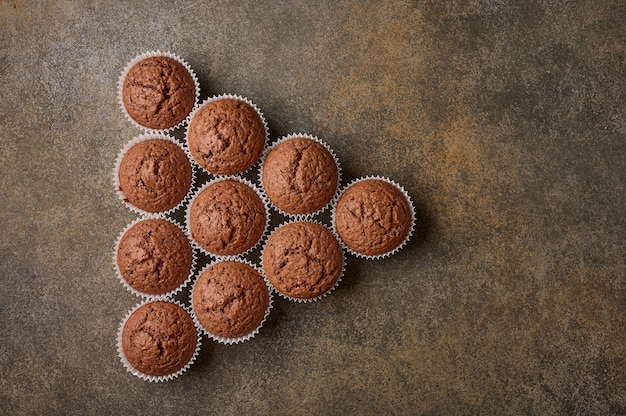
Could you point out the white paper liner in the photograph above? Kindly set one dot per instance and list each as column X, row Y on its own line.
column 221, row 97
column 149, row 296
column 193, row 197
column 254, row 332
column 120, row 157
column 304, row 300
column 378, row 256
column 266, row 152
column 151, row 54
column 146, row 377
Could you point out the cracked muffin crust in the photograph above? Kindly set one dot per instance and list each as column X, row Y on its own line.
column 159, row 338
column 227, row 218
column 155, row 175
column 373, row 217
column 300, row 176
column 302, row 260
column 158, row 92
column 226, row 136
column 154, row 256
column 230, row 299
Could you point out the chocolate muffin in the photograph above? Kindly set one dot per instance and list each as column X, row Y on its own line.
column 230, row 299
column 373, row 217
column 155, row 175
column 302, row 260
column 300, row 175
column 159, row 339
column 226, row 136
column 227, row 218
column 154, row 257
column 158, row 92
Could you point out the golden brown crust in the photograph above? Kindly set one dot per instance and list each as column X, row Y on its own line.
column 155, row 175
column 230, row 299
column 158, row 92
column 302, row 260
column 373, row 217
column 159, row 338
column 300, row 176
column 227, row 218
column 154, row 256
column 226, row 136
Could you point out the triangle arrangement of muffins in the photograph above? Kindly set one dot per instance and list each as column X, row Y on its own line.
column 195, row 201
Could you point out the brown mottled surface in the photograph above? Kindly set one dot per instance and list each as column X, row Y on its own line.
column 373, row 217
column 230, row 299
column 155, row 175
column 159, row 338
column 154, row 256
column 227, row 218
column 302, row 260
column 300, row 176
column 226, row 136
column 158, row 92
column 504, row 121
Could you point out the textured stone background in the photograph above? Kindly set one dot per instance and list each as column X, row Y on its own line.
column 505, row 121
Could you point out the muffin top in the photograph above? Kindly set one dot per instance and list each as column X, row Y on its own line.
column 300, row 176
column 155, row 175
column 373, row 217
column 158, row 92
column 302, row 260
column 159, row 338
column 226, row 136
column 230, row 299
column 154, row 256
column 227, row 218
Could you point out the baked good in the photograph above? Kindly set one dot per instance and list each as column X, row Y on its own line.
column 302, row 260
column 154, row 256
column 373, row 217
column 155, row 175
column 230, row 299
column 300, row 175
column 158, row 92
column 226, row 136
column 159, row 338
column 227, row 218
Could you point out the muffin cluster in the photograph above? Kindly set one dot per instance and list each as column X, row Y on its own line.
column 207, row 185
